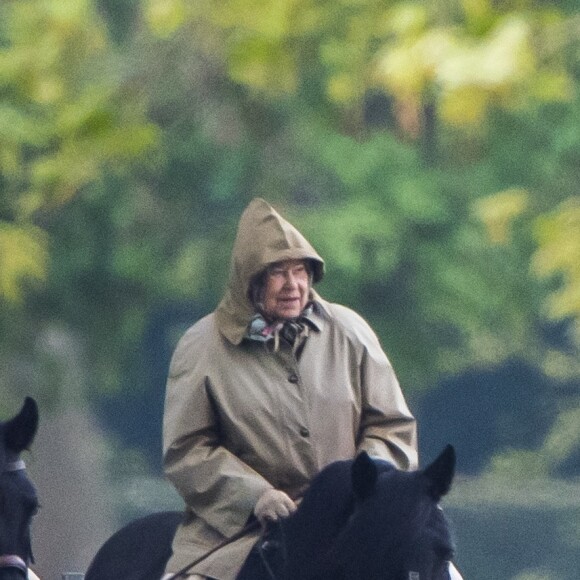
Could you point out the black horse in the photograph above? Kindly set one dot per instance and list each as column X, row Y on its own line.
column 360, row 520
column 18, row 501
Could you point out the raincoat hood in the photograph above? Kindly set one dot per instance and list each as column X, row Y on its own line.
column 263, row 238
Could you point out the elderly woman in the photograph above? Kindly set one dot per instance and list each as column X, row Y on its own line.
column 266, row 391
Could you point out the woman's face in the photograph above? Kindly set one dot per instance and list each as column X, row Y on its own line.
column 286, row 289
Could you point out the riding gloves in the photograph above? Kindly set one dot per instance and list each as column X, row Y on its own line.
column 272, row 505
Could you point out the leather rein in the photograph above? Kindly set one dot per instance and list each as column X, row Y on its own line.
column 253, row 525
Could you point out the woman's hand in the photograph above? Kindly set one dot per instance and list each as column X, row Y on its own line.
column 272, row 505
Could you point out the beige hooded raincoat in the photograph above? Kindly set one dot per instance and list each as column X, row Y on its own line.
column 242, row 417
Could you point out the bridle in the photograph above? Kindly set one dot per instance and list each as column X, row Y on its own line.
column 17, row 465
column 12, row 560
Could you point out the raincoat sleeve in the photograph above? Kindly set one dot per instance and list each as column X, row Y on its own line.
column 215, row 484
column 387, row 427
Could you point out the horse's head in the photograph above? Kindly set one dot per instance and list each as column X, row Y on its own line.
column 397, row 530
column 18, row 501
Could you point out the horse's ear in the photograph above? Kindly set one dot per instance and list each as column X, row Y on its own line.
column 19, row 432
column 364, row 475
column 440, row 473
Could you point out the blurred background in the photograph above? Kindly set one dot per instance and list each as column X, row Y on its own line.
column 430, row 150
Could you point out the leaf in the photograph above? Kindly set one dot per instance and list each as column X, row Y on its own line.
column 22, row 128
column 262, row 63
column 23, row 256
column 564, row 437
column 165, row 17
column 498, row 211
column 558, row 236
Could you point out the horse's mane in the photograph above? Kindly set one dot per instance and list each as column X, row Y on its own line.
column 326, row 509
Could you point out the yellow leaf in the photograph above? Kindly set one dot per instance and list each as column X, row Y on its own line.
column 564, row 437
column 47, row 89
column 408, row 19
column 263, row 64
column 342, row 88
column 10, row 160
column 552, row 85
column 477, row 10
column 165, row 16
column 29, row 203
column 271, row 19
column 406, row 68
column 23, row 255
column 401, row 72
column 69, row 13
column 558, row 236
column 463, row 107
column 504, row 57
column 498, row 211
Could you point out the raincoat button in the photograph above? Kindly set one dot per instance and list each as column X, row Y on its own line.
column 293, row 378
column 304, row 432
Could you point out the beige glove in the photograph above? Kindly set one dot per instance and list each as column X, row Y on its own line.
column 272, row 505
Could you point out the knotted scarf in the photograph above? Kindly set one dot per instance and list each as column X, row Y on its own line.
column 293, row 330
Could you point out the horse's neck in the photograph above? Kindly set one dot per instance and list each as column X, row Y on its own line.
column 325, row 509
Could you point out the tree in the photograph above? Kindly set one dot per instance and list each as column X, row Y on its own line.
column 489, row 93
column 135, row 170
column 65, row 117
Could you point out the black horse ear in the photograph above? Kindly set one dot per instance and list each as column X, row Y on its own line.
column 364, row 475
column 440, row 473
column 19, row 432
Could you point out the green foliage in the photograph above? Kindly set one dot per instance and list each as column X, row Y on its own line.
column 563, row 439
column 562, row 442
column 519, row 465
column 23, row 256
column 65, row 117
column 125, row 165
column 430, row 151
column 558, row 237
column 467, row 57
